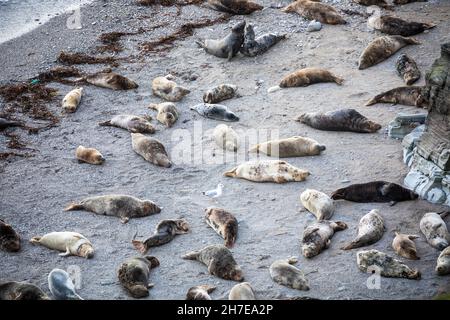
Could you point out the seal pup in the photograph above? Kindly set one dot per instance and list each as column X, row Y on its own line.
column 318, row 203
column 240, row 7
column 242, row 291
column 283, row 272
column 407, row 1
column 370, row 230
column 200, row 292
column 375, row 191
column 339, row 120
column 407, row 69
column 395, row 26
column 69, row 243
column 374, row 260
column 122, row 206
column 253, row 47
column 382, row 48
column 290, row 147
column 9, row 238
column 5, row 123
column 379, row 3
column 61, row 286
column 226, row 138
column 408, row 96
column 435, row 230
column 134, row 275
column 151, row 150
column 404, row 245
column 167, row 113
column 219, row 260
column 228, row 46
column 443, row 262
column 110, row 80
column 72, row 100
column 167, row 89
column 224, row 223
column 305, row 77
column 12, row 290
column 268, row 171
column 89, row 155
column 317, row 236
column 132, row 123
column 165, row 231
column 215, row 111
column 313, row 10
column 220, row 93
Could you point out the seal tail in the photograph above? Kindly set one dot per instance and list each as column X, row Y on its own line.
column 138, row 291
column 231, row 173
column 73, row 206
column 374, row 100
column 292, row 260
column 338, row 80
column 208, row 288
column 356, row 243
column 200, row 43
column 443, row 214
column 427, row 26
column 140, row 246
column 105, row 123
column 35, row 240
column 153, row 106
column 191, row 255
column 412, row 41
column 273, row 89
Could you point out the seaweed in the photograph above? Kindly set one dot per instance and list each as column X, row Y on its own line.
column 6, row 155
column 82, row 58
column 111, row 40
column 58, row 74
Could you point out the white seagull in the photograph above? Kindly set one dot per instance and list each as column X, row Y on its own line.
column 215, row 193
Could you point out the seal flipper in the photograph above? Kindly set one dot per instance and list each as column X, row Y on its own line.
column 74, row 206
column 231, row 173
column 193, row 255
column 201, row 43
column 140, row 246
column 35, row 240
column 65, row 254
column 105, row 123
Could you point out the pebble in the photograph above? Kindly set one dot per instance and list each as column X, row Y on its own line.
column 314, row 26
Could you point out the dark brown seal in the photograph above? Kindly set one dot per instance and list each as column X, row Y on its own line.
column 396, row 26
column 134, row 274
column 407, row 1
column 12, row 290
column 408, row 96
column 5, row 123
column 235, row 6
column 380, row 3
column 224, row 223
column 407, row 69
column 9, row 239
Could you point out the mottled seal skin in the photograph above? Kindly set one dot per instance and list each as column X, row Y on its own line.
column 380, row 3
column 220, row 93
column 111, row 80
column 242, row 291
column 339, row 120
column 72, row 100
column 61, row 286
column 404, row 245
column 435, row 230
column 151, row 150
column 69, row 243
column 200, row 292
column 5, row 123
column 89, row 155
column 167, row 89
column 374, row 260
column 167, row 113
column 240, row 7
column 134, row 275
column 226, row 138
column 228, row 46
column 268, row 171
column 317, row 236
column 253, row 47
column 224, row 223
column 313, row 10
column 165, row 231
column 284, row 273
column 370, row 230
column 13, row 290
column 305, row 77
column 395, row 26
column 407, row 1
column 290, row 147
column 215, row 111
column 408, row 96
column 219, row 260
column 382, row 48
column 375, row 191
column 407, row 69
column 443, row 262
column 132, row 123
column 318, row 203
column 122, row 206
column 9, row 238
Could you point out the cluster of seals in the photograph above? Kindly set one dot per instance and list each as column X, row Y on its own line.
column 374, row 260
column 382, row 48
column 240, row 7
column 69, row 243
column 72, row 100
column 167, row 89
column 443, row 262
column 5, row 123
column 339, row 120
column 253, row 46
column 165, row 231
column 134, row 275
column 375, row 191
column 283, row 272
column 110, row 80
column 122, row 206
column 219, row 260
column 370, row 229
column 380, row 3
column 226, row 138
column 318, row 203
column 317, row 236
column 268, row 171
column 200, row 292
column 242, row 291
column 132, row 123
column 313, row 10
column 13, row 290
column 403, row 245
column 407, row 69
column 408, row 96
column 215, row 111
column 151, row 149
column 89, row 155
column 61, row 285
column 435, row 230
column 167, row 113
column 395, row 26
column 220, row 93
column 224, row 223
column 9, row 239
column 290, row 147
